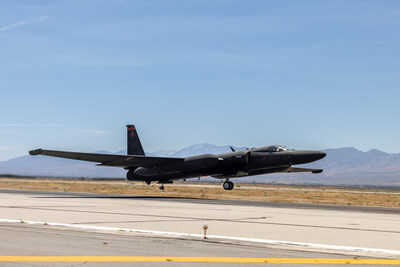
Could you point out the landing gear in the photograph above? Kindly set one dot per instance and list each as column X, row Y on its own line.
column 228, row 185
column 148, row 182
column 164, row 182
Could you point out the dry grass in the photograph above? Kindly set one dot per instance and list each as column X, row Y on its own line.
column 275, row 193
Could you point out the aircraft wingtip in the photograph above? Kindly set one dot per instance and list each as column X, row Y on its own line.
column 35, row 152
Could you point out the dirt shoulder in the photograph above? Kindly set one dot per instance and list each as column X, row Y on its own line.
column 274, row 193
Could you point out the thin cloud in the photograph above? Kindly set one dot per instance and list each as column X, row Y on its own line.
column 23, row 22
column 89, row 131
column 98, row 63
column 30, row 125
column 42, row 18
column 20, row 23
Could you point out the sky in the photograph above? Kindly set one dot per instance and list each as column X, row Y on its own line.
column 304, row 74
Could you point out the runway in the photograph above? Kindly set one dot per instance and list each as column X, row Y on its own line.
column 333, row 226
column 75, row 246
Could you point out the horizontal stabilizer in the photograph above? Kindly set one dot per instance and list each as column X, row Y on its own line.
column 291, row 169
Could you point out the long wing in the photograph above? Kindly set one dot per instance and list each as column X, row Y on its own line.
column 111, row 160
column 291, row 169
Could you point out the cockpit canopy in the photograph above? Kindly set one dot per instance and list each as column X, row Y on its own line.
column 272, row 149
column 280, row 148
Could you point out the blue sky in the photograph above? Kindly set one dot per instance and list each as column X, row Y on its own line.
column 305, row 74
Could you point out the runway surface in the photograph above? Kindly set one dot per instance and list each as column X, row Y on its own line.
column 20, row 239
column 375, row 228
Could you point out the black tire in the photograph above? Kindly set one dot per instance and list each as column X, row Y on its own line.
column 226, row 185
column 231, row 185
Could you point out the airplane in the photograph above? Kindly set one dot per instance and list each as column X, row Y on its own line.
column 254, row 161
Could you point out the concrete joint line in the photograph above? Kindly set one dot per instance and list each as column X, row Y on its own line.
column 200, row 236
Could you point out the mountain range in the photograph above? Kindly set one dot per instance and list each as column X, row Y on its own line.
column 342, row 166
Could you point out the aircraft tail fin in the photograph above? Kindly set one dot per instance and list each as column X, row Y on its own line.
column 134, row 145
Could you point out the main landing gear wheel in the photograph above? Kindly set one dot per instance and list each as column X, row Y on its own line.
column 228, row 185
column 162, row 187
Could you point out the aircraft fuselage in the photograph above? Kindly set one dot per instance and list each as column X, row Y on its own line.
column 248, row 162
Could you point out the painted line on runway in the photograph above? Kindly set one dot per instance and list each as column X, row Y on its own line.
column 194, row 259
column 210, row 237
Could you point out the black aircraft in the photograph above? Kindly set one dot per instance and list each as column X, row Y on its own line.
column 164, row 170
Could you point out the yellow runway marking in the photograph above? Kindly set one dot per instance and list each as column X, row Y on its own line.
column 194, row 259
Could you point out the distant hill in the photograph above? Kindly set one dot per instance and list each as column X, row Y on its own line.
column 342, row 166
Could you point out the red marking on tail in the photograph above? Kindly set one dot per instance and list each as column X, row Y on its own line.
column 131, row 130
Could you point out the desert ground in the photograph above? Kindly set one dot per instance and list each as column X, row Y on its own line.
column 356, row 196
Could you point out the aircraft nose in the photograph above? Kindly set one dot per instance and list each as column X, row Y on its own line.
column 306, row 156
column 316, row 155
column 320, row 155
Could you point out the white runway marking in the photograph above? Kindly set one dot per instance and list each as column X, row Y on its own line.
column 176, row 234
